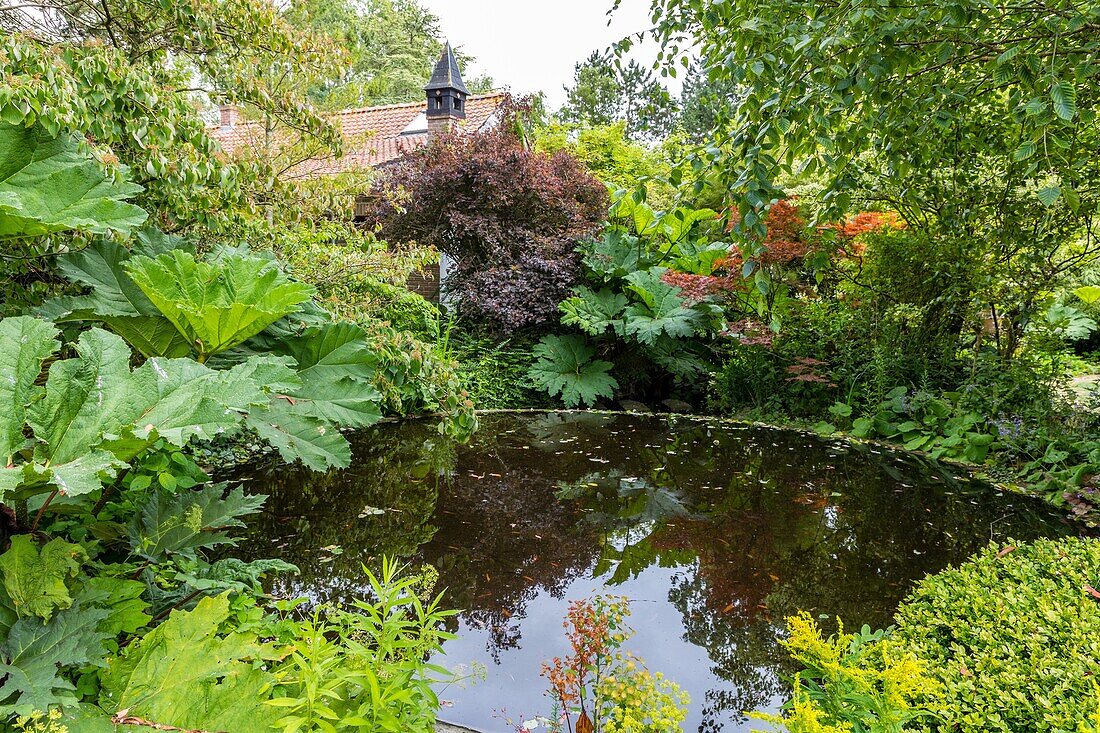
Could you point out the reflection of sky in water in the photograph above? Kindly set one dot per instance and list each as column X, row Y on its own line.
column 514, row 686
column 715, row 532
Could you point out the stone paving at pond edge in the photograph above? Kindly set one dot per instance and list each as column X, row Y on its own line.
column 441, row 727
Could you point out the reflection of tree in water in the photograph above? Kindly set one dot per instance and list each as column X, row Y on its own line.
column 793, row 527
column 763, row 523
column 383, row 505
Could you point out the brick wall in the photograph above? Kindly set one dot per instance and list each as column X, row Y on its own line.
column 426, row 283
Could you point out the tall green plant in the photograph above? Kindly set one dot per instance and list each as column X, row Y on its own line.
column 95, row 413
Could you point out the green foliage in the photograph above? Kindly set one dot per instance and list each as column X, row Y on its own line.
column 865, row 682
column 95, row 413
column 493, row 372
column 414, row 379
column 188, row 674
column 169, row 525
column 48, row 185
column 35, row 654
column 35, row 580
column 611, row 156
column 363, row 668
column 606, row 91
column 659, row 310
column 115, row 299
column 593, row 312
column 922, row 422
column 216, row 305
column 132, row 95
column 1012, row 637
column 565, row 366
column 642, row 319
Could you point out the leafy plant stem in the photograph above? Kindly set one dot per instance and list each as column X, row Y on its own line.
column 42, row 509
column 108, row 492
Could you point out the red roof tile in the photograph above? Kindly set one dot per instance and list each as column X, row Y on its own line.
column 375, row 134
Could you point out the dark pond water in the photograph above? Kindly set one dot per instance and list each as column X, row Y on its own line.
column 716, row 532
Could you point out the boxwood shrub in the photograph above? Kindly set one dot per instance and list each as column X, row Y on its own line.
column 1014, row 636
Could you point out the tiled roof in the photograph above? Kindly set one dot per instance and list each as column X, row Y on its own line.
column 374, row 133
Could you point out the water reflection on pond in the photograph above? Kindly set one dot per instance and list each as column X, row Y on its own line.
column 716, row 532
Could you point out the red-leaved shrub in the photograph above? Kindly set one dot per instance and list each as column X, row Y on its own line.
column 509, row 217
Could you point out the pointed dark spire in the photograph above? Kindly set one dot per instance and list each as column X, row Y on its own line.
column 447, row 75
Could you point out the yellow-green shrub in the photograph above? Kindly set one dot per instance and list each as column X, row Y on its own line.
column 1013, row 636
column 863, row 682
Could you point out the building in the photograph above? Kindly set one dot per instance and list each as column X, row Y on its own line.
column 377, row 136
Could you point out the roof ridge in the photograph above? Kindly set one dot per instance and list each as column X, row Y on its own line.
column 356, row 110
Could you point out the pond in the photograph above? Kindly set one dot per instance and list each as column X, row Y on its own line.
column 715, row 531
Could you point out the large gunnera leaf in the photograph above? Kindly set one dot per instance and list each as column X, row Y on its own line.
column 114, row 299
column 566, row 367
column 661, row 310
column 47, row 185
column 95, row 413
column 185, row 674
column 24, row 345
column 217, row 305
column 32, row 655
column 36, row 579
column 183, row 523
column 593, row 312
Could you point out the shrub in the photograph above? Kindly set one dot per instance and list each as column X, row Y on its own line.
column 851, row 682
column 494, row 372
column 1013, row 635
column 509, row 217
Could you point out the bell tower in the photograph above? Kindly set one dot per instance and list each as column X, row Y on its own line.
column 446, row 95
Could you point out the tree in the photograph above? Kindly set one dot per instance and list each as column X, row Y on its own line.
column 702, row 103
column 509, row 217
column 975, row 121
column 605, row 91
column 131, row 77
column 606, row 152
column 392, row 46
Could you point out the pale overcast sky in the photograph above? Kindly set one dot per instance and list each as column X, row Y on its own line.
column 533, row 45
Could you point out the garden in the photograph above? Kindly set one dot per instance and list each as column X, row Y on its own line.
column 752, row 386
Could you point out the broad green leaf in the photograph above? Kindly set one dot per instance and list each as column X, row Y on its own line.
column 33, row 654
column 677, row 224
column 115, row 300
column 36, row 580
column 230, row 574
column 95, row 413
column 614, row 255
column 298, row 437
column 593, row 312
column 185, row 674
column 85, row 399
column 182, row 523
column 565, row 366
column 1049, row 195
column 1089, row 294
column 662, row 310
column 122, row 599
column 218, row 305
column 47, row 185
column 1064, row 96
column 24, row 345
column 1025, row 151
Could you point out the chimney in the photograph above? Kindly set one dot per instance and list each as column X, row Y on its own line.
column 446, row 95
column 229, row 114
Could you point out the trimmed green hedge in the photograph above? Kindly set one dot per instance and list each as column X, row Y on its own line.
column 1014, row 637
